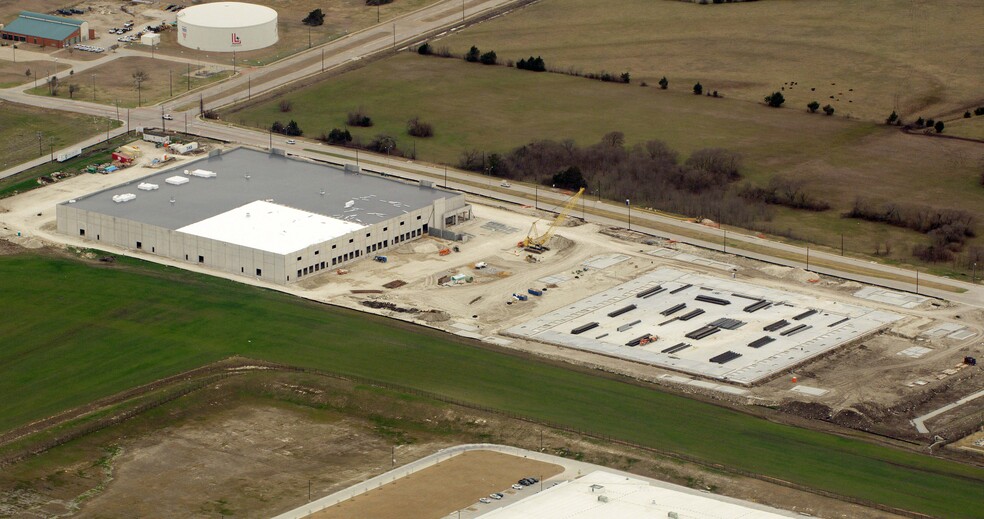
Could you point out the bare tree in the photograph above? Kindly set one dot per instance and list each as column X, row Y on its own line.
column 139, row 76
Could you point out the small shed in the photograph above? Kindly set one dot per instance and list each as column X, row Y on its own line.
column 150, row 39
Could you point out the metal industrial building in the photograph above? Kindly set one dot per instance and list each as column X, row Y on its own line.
column 46, row 30
column 263, row 215
column 227, row 27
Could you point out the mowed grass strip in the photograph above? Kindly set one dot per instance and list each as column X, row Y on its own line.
column 20, row 124
column 75, row 332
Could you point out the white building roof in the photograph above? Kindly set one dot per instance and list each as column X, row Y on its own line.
column 628, row 498
column 271, row 227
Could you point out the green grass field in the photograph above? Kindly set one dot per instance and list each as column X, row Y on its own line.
column 20, row 124
column 864, row 58
column 27, row 180
column 77, row 332
column 497, row 108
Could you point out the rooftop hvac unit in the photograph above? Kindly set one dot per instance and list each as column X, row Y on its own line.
column 203, row 173
column 349, row 204
column 125, row 197
column 177, row 181
column 147, row 186
column 603, row 499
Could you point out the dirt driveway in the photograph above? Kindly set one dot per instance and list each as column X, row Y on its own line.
column 443, row 488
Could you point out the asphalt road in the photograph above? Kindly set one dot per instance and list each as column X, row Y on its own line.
column 392, row 36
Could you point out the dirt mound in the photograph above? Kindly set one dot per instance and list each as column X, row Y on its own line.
column 560, row 244
column 434, row 316
column 383, row 305
column 811, row 410
column 852, row 418
column 790, row 273
column 7, row 248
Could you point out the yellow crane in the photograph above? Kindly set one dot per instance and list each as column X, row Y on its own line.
column 535, row 242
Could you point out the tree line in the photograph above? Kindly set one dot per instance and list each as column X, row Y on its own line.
column 650, row 174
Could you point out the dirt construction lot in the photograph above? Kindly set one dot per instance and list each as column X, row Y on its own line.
column 244, row 462
column 871, row 383
column 439, row 490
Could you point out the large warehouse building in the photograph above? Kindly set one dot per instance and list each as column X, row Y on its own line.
column 227, row 27
column 262, row 215
column 45, row 30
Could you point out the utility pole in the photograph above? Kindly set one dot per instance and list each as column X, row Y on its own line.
column 271, row 139
column 629, row 205
column 462, row 10
column 93, row 88
column 40, row 151
column 807, row 257
column 917, row 280
column 309, row 36
column 309, row 490
column 249, row 87
column 188, row 75
column 973, row 277
column 163, row 120
column 725, row 241
column 322, row 59
column 377, row 13
column 186, row 122
column 536, row 195
column 842, row 244
column 394, row 35
column 128, row 120
column 117, row 109
column 446, row 184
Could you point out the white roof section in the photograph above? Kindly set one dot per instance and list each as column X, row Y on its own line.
column 270, row 227
column 628, row 498
column 227, row 15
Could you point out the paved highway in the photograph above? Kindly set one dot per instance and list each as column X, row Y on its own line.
column 411, row 28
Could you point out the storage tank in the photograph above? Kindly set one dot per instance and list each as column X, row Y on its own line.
column 227, row 27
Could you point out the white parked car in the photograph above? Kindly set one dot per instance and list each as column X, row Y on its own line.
column 485, row 500
column 517, row 486
column 496, row 495
column 291, row 141
column 167, row 117
column 505, row 184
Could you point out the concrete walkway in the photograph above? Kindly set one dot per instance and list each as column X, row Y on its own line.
column 920, row 422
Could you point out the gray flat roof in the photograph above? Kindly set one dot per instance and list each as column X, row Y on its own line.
column 285, row 181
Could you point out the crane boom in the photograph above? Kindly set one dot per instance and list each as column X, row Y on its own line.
column 540, row 241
